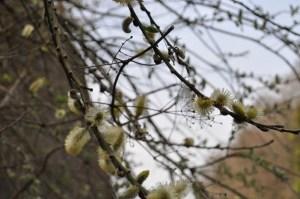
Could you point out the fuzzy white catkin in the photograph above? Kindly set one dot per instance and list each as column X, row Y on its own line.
column 115, row 136
column 175, row 190
column 179, row 188
column 104, row 162
column 160, row 193
column 76, row 140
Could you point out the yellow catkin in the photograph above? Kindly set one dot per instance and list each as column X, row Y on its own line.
column 76, row 140
column 238, row 108
column 175, row 190
column 114, row 136
column 203, row 106
column 251, row 112
column 104, row 162
column 160, row 193
column 221, row 97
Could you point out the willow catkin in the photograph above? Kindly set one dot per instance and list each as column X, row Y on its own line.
column 76, row 140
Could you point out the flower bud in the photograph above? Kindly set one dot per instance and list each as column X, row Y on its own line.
column 95, row 115
column 142, row 176
column 179, row 52
column 188, row 142
column 140, row 103
column 151, row 29
column 73, row 104
column 37, row 84
column 238, row 108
